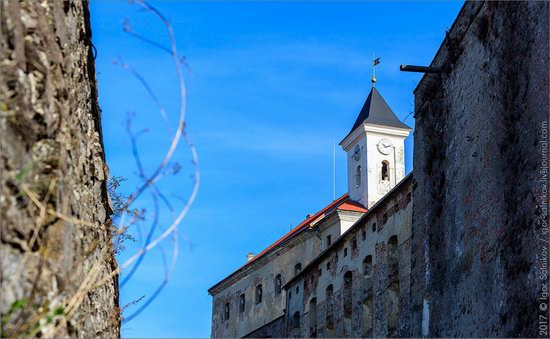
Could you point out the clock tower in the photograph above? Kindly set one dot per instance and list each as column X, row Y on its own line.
column 375, row 149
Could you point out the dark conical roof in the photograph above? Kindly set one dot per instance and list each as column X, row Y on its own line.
column 376, row 111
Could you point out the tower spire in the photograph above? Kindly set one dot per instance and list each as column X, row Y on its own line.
column 375, row 61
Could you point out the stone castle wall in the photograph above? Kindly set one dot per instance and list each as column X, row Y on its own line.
column 51, row 146
column 372, row 311
column 257, row 318
column 476, row 224
column 471, row 248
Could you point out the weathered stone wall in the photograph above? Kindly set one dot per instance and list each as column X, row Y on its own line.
column 50, row 134
column 302, row 248
column 274, row 329
column 371, row 304
column 476, row 225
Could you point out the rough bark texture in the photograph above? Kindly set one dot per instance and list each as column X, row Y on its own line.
column 50, row 134
column 477, row 221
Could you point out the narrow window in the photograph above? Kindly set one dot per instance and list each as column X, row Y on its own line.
column 348, row 281
column 278, row 284
column 259, row 293
column 226, row 311
column 297, row 289
column 367, row 266
column 358, row 176
column 373, row 227
column 242, row 303
column 296, row 320
column 345, row 252
column 393, row 257
column 329, row 298
column 297, row 268
column 320, row 272
column 313, row 318
column 354, row 244
column 385, row 171
column 328, row 266
column 392, row 248
column 363, row 235
column 329, row 240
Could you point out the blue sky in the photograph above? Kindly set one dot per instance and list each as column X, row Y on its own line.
column 271, row 86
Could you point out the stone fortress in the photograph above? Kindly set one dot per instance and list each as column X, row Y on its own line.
column 312, row 268
column 452, row 249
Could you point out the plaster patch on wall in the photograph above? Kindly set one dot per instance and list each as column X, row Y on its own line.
column 425, row 318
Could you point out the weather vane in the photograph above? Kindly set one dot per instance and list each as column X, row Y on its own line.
column 375, row 61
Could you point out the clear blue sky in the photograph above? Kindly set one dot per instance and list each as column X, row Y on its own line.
column 271, row 85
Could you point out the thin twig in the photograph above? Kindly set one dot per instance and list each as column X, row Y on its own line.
column 36, row 230
column 147, row 240
column 181, row 123
column 61, row 216
column 157, row 174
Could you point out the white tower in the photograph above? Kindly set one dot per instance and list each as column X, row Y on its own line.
column 375, row 151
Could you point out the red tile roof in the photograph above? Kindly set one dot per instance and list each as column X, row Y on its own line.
column 352, row 206
column 343, row 203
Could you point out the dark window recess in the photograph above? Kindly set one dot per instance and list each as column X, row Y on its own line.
column 313, row 318
column 259, row 293
column 226, row 311
column 354, row 244
column 328, row 266
column 385, row 171
column 296, row 320
column 278, row 284
column 329, row 314
column 385, row 218
column 297, row 289
column 329, row 240
column 374, row 227
column 367, row 266
column 345, row 252
column 242, row 303
column 363, row 235
column 348, row 280
column 320, row 272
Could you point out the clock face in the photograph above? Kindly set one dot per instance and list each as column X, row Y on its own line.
column 385, row 146
column 357, row 153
